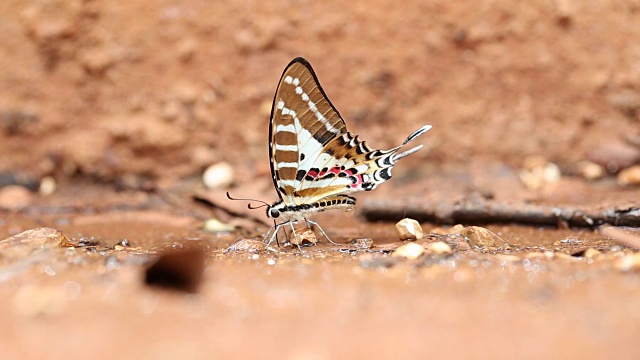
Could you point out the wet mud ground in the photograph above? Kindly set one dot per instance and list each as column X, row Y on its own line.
column 88, row 298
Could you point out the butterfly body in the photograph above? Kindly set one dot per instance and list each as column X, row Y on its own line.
column 315, row 161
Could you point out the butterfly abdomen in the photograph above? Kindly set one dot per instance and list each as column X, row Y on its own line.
column 301, row 211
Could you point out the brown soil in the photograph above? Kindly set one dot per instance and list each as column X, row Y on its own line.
column 123, row 107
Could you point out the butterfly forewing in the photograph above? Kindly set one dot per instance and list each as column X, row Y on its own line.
column 302, row 122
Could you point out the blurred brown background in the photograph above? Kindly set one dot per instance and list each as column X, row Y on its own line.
column 162, row 89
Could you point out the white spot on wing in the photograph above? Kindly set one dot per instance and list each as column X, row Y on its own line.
column 286, row 128
column 286, row 147
column 283, row 164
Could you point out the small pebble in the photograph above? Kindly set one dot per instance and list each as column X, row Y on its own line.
column 363, row 243
column 15, row 197
column 247, row 245
column 590, row 170
column 629, row 176
column 409, row 251
column 409, row 229
column 218, row 176
column 439, row 248
column 614, row 156
column 538, row 172
column 26, row 242
column 591, row 253
column 628, row 262
column 47, row 186
column 481, row 237
column 303, row 235
column 216, row 226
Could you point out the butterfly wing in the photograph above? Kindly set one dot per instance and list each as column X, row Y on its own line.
column 303, row 121
column 312, row 154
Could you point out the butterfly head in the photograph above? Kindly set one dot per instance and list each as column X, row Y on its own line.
column 276, row 209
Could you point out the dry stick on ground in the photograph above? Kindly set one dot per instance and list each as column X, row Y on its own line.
column 489, row 212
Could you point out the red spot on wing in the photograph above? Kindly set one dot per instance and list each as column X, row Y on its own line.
column 359, row 181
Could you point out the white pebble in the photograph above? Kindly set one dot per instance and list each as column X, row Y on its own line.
column 410, row 251
column 409, row 229
column 439, row 247
column 218, row 176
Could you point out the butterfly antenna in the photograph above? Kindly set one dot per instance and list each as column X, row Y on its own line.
column 264, row 203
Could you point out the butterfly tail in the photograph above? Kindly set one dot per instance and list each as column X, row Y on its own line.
column 417, row 133
column 395, row 156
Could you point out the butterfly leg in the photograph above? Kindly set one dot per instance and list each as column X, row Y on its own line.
column 296, row 236
column 322, row 231
column 274, row 235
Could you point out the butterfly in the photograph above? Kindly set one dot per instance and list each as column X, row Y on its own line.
column 315, row 161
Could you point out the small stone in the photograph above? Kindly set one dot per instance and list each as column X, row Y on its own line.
column 629, row 176
column 538, row 172
column 590, row 170
column 591, row 253
column 177, row 270
column 15, row 197
column 26, row 242
column 303, row 235
column 481, row 237
column 47, row 186
column 218, row 176
column 247, row 245
column 363, row 243
column 439, row 248
column 409, row 251
column 614, row 156
column 628, row 262
column 217, row 226
column 409, row 229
